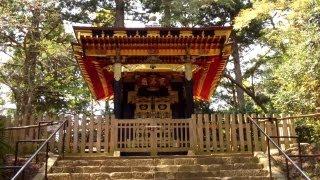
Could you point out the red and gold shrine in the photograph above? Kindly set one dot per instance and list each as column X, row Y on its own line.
column 152, row 72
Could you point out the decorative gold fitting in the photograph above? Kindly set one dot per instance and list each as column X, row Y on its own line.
column 120, row 33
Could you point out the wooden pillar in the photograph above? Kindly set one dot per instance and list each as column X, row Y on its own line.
column 188, row 90
column 117, row 90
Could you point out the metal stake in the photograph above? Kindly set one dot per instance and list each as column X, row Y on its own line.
column 63, row 139
column 46, row 166
column 269, row 158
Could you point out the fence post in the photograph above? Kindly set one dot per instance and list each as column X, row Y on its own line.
column 292, row 130
column 207, row 132
column 234, row 141
column 227, row 128
column 60, row 143
column 107, row 130
column 98, row 127
column 248, row 125
column 113, row 134
column 91, row 132
column 241, row 135
column 193, row 134
column 200, row 132
column 83, row 134
column 255, row 135
column 153, row 140
column 214, row 132
column 75, row 134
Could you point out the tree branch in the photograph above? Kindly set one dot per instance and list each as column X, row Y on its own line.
column 55, row 25
column 11, row 39
column 248, row 92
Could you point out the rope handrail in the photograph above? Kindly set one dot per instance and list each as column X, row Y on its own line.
column 289, row 117
column 31, row 126
column 16, row 176
column 279, row 149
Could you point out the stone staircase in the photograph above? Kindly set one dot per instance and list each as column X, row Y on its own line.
column 236, row 166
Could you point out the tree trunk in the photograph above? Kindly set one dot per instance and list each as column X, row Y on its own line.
column 29, row 68
column 119, row 19
column 166, row 20
column 238, row 76
column 234, row 96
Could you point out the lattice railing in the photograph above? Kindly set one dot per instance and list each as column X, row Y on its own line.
column 203, row 133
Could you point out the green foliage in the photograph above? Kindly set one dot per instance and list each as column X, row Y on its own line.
column 4, row 147
column 292, row 76
column 55, row 84
column 104, row 18
column 309, row 131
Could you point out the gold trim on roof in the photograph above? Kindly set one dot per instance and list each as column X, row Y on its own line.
column 152, row 68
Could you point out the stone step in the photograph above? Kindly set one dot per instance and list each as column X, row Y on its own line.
column 165, row 168
column 104, row 157
column 171, row 167
column 196, row 175
column 244, row 172
column 148, row 175
column 211, row 167
column 157, row 161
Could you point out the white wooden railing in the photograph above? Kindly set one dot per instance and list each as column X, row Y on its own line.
column 203, row 133
column 152, row 135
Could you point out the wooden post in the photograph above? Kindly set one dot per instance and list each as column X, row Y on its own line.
column 117, row 86
column 60, row 144
column 262, row 124
column 227, row 131
column 188, row 85
column 255, row 135
column 241, row 135
column 285, row 132
column 207, row 132
column 292, row 130
column 106, row 134
column 98, row 142
column 214, row 132
column 234, row 140
column 248, row 133
column 83, row 134
column 91, row 133
column 269, row 131
column 189, row 98
column 68, row 134
column 200, row 132
column 221, row 134
column 193, row 133
column 75, row 134
column 114, row 134
column 153, row 140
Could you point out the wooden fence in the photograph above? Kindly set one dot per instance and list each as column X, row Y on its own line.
column 14, row 133
column 203, row 133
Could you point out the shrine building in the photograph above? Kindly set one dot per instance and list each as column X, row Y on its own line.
column 152, row 72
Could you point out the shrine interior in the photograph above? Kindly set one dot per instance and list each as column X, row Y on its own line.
column 153, row 95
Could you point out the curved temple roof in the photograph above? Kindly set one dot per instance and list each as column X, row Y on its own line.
column 97, row 49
